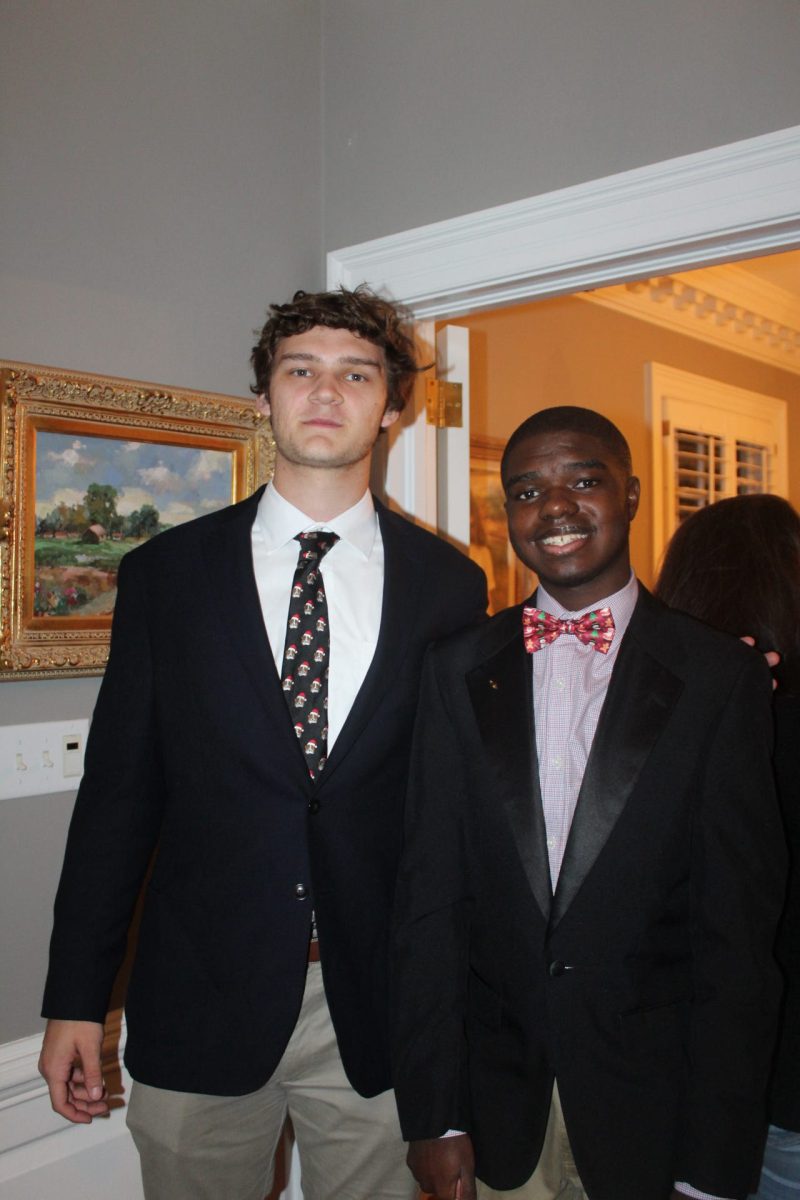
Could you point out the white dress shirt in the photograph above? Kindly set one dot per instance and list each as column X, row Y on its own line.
column 352, row 572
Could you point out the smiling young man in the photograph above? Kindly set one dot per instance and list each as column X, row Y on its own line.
column 252, row 735
column 585, row 994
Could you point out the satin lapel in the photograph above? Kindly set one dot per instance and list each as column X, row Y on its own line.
column 641, row 695
column 232, row 587
column 500, row 690
column 403, row 580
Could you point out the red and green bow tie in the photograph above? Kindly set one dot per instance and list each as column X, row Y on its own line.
column 594, row 628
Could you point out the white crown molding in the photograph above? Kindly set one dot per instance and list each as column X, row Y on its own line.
column 725, row 307
column 728, row 202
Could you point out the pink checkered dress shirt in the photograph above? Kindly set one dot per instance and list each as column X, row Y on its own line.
column 570, row 681
column 574, row 679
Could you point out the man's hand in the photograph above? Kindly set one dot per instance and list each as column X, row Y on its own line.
column 70, row 1062
column 445, row 1167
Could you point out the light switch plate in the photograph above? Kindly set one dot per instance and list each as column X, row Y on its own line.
column 42, row 758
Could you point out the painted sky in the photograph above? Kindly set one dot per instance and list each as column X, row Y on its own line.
column 181, row 482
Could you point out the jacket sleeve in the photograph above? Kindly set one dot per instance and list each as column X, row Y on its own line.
column 116, row 820
column 432, row 929
column 738, row 863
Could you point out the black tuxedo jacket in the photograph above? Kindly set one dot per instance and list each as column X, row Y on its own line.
column 784, row 1107
column 192, row 759
column 646, row 984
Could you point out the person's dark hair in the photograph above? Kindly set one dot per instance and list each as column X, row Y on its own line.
column 363, row 313
column 736, row 565
column 576, row 420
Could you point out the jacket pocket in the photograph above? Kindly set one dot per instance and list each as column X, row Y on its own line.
column 656, row 1035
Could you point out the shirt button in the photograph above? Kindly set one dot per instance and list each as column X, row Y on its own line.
column 313, row 807
column 560, row 684
column 300, row 891
column 557, row 761
column 551, row 843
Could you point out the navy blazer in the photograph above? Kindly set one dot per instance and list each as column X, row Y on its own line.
column 646, row 983
column 192, row 761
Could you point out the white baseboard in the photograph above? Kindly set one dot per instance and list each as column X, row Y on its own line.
column 43, row 1157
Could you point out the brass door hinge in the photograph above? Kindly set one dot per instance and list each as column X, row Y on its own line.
column 443, row 404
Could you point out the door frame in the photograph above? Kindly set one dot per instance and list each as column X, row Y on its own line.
column 718, row 205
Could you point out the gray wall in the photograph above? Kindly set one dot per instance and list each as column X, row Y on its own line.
column 441, row 107
column 168, row 168
column 161, row 183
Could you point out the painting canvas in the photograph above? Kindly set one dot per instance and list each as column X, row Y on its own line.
column 92, row 468
column 97, row 498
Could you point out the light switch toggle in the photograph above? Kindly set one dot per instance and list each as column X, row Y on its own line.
column 41, row 759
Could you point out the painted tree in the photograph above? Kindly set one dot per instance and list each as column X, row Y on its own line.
column 144, row 522
column 101, row 505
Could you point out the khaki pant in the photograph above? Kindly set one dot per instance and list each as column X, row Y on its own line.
column 555, row 1177
column 195, row 1147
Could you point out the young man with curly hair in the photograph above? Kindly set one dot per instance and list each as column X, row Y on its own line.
column 251, row 737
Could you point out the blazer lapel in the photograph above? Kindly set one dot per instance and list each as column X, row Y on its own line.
column 229, row 562
column 500, row 691
column 402, row 588
column 641, row 695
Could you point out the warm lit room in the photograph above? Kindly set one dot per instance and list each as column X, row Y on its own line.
column 592, row 204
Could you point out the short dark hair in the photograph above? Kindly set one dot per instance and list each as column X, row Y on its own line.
column 577, row 420
column 362, row 312
column 736, row 565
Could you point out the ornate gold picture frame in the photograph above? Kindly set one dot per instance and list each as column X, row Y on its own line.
column 509, row 580
column 92, row 467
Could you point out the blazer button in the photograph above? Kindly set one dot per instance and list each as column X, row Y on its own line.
column 313, row 807
column 300, row 891
column 557, row 967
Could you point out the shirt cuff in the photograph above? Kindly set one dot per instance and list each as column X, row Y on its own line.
column 686, row 1189
column 452, row 1133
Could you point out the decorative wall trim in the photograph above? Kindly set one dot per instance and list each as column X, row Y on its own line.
column 41, row 1154
column 684, row 399
column 729, row 202
column 723, row 306
column 31, row 1134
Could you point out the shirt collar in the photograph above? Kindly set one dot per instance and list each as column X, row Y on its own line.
column 621, row 603
column 278, row 522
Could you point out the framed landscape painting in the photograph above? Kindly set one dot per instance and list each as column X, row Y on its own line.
column 93, row 467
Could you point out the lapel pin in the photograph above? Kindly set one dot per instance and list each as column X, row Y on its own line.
column 494, row 685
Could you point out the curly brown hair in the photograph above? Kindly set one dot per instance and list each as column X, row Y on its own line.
column 362, row 312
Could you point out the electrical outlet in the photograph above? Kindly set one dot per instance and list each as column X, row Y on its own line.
column 42, row 758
